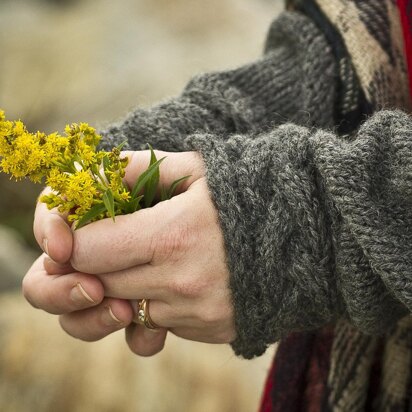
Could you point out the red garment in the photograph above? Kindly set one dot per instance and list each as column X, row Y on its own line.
column 405, row 7
column 297, row 381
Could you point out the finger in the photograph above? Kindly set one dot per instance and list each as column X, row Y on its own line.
column 52, row 232
column 173, row 167
column 60, row 294
column 107, row 246
column 143, row 341
column 151, row 235
column 54, row 268
column 97, row 322
column 204, row 335
column 144, row 281
column 192, row 322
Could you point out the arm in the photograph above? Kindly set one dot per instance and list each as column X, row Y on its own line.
column 316, row 227
column 281, row 86
column 249, row 100
column 305, row 228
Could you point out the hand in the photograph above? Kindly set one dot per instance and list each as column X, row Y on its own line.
column 172, row 254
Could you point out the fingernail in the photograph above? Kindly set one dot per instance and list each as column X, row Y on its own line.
column 109, row 318
column 79, row 295
column 46, row 245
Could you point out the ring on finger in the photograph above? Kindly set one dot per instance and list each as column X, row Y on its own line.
column 143, row 316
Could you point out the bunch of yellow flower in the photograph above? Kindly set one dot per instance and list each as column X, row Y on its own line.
column 87, row 184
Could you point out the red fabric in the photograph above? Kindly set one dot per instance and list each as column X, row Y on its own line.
column 286, row 382
column 316, row 391
column 297, row 381
column 405, row 7
column 266, row 403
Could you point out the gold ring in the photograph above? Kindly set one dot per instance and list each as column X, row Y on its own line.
column 143, row 316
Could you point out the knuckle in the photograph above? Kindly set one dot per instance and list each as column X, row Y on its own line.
column 66, row 325
column 171, row 244
column 209, row 316
column 185, row 287
column 212, row 315
column 46, row 299
column 79, row 257
column 75, row 258
column 51, row 303
column 27, row 290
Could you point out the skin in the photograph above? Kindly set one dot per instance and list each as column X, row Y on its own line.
column 172, row 254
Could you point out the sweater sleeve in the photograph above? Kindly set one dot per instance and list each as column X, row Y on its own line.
column 281, row 86
column 316, row 226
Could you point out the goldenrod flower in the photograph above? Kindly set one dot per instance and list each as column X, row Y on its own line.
column 57, row 180
column 85, row 183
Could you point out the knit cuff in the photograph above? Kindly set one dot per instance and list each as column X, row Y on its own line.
column 316, row 227
column 276, row 233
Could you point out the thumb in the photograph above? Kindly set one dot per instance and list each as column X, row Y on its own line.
column 52, row 232
column 173, row 167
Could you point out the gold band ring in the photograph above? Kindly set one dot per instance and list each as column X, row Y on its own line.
column 143, row 316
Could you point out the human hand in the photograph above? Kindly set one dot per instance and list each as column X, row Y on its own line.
column 171, row 254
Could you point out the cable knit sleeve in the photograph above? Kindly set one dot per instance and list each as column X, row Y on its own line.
column 316, row 226
column 281, row 86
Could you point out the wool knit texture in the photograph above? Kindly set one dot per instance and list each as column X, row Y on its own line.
column 281, row 86
column 371, row 34
column 316, row 227
column 364, row 35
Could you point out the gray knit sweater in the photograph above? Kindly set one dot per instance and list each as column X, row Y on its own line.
column 316, row 226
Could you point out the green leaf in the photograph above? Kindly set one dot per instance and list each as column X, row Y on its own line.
column 121, row 145
column 144, row 177
column 133, row 205
column 94, row 211
column 106, row 166
column 163, row 194
column 174, row 186
column 106, row 162
column 150, row 187
column 108, row 201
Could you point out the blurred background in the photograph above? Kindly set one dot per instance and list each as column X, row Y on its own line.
column 68, row 61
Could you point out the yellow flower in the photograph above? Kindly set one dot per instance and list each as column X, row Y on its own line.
column 19, row 128
column 52, row 200
column 90, row 137
column 86, row 153
column 26, row 157
column 6, row 137
column 54, row 147
column 82, row 179
column 80, row 190
column 57, row 180
column 125, row 195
